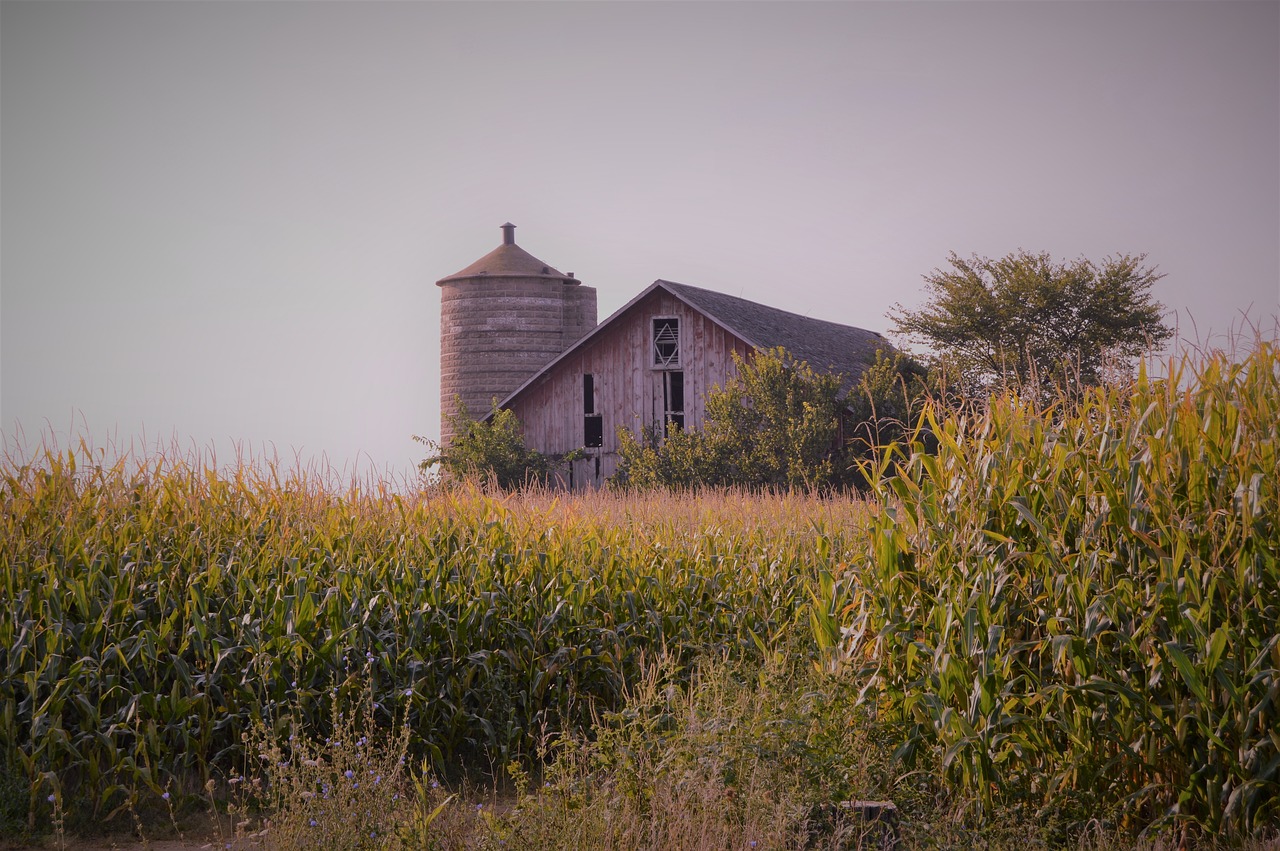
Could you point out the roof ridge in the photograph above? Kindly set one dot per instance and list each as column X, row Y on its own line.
column 757, row 305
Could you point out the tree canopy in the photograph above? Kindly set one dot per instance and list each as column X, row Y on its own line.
column 1029, row 320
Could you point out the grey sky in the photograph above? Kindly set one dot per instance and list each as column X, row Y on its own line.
column 223, row 221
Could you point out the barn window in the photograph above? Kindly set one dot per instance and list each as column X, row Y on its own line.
column 672, row 401
column 666, row 342
column 593, row 431
column 592, row 423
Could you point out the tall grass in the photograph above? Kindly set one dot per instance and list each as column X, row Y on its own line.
column 156, row 610
column 1080, row 607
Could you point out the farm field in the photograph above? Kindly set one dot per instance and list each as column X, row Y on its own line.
column 1055, row 627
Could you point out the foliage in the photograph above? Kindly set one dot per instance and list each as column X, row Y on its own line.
column 492, row 449
column 683, row 461
column 155, row 608
column 776, row 424
column 737, row 757
column 887, row 403
column 1079, row 607
column 1029, row 321
column 354, row 789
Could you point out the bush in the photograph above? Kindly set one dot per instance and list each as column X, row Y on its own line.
column 777, row 424
column 491, row 450
column 886, row 405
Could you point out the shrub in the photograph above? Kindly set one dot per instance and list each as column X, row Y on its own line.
column 491, row 450
column 775, row 425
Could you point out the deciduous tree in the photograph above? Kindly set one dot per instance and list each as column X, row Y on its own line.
column 1029, row 320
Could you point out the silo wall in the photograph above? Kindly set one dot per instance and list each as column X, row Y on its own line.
column 496, row 332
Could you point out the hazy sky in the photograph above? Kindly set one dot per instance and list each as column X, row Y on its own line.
column 223, row 221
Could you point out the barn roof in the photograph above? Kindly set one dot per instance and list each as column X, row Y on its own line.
column 827, row 346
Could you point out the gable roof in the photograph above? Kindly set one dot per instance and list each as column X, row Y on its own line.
column 827, row 346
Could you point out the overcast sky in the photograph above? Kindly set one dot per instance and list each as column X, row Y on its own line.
column 222, row 222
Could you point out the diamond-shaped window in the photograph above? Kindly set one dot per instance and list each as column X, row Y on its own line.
column 666, row 342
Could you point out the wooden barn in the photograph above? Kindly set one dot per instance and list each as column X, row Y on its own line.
column 653, row 362
column 650, row 364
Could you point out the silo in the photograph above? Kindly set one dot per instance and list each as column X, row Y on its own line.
column 502, row 319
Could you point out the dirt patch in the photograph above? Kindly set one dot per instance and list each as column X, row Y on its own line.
column 198, row 833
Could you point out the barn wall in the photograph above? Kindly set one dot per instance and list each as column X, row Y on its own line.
column 628, row 388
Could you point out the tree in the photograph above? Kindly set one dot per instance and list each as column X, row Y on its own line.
column 492, row 448
column 1027, row 320
column 776, row 424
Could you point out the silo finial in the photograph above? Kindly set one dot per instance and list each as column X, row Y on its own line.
column 508, row 234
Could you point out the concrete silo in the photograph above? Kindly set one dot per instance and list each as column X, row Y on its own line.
column 502, row 319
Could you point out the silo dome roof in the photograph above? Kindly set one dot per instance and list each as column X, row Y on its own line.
column 508, row 260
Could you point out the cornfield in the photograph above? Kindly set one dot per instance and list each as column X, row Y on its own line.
column 1079, row 608
column 1073, row 612
column 154, row 611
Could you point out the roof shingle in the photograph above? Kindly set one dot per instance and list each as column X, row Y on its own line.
column 827, row 346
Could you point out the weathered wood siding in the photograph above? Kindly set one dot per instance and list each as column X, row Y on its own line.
column 628, row 388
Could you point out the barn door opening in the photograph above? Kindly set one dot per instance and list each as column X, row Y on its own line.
column 672, row 401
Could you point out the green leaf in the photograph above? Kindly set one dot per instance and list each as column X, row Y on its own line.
column 1183, row 663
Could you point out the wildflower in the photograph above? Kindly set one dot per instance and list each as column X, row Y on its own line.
column 408, row 692
column 479, row 807
column 435, row 784
column 165, row 796
column 348, row 774
column 51, row 798
column 313, row 822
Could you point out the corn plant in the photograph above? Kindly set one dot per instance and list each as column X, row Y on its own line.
column 157, row 608
column 1079, row 607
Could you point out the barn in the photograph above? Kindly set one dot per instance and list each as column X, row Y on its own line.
column 650, row 364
